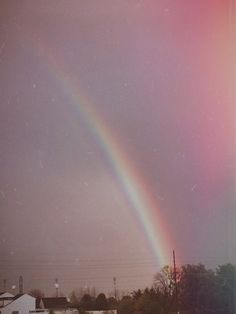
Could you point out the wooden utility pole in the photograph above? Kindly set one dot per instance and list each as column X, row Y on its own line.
column 176, row 288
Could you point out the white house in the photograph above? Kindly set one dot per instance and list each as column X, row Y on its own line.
column 19, row 304
column 5, row 298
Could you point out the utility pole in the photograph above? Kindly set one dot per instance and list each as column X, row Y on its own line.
column 4, row 285
column 20, row 285
column 56, row 286
column 114, row 282
column 176, row 288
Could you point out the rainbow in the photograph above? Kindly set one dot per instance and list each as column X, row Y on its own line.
column 133, row 185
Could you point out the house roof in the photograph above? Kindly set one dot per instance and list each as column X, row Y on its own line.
column 17, row 296
column 5, row 295
column 38, row 300
column 12, row 299
column 55, row 303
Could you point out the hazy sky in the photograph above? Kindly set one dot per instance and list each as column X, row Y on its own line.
column 158, row 76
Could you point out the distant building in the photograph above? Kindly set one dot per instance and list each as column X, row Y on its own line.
column 57, row 305
column 102, row 312
column 19, row 304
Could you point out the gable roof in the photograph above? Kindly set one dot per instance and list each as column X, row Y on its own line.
column 37, row 303
column 55, row 303
column 12, row 299
column 6, row 295
column 17, row 296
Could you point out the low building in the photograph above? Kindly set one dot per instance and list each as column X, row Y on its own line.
column 57, row 305
column 19, row 304
column 102, row 312
column 5, row 298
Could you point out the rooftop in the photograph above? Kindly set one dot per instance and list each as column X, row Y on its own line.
column 55, row 303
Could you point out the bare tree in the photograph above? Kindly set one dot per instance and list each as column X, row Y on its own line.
column 164, row 281
column 36, row 293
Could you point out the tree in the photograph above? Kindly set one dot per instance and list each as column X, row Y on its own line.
column 74, row 298
column 149, row 302
column 112, row 303
column 86, row 303
column 101, row 302
column 164, row 284
column 126, row 305
column 93, row 292
column 136, row 294
column 164, row 281
column 226, row 282
column 197, row 288
column 36, row 293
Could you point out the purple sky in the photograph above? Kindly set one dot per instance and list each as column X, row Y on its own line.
column 158, row 74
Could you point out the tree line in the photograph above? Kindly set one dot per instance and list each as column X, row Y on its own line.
column 197, row 290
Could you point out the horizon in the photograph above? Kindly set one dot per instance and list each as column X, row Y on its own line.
column 117, row 140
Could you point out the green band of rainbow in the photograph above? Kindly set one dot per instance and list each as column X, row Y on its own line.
column 133, row 185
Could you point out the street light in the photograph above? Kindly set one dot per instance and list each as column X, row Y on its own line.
column 56, row 286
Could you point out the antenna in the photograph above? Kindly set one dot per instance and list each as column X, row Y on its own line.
column 4, row 285
column 20, row 285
